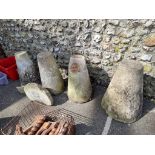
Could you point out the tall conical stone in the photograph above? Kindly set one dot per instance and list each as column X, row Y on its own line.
column 79, row 86
column 26, row 68
column 49, row 73
column 123, row 99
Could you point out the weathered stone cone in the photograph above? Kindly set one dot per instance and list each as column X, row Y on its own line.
column 49, row 73
column 26, row 70
column 35, row 92
column 79, row 86
column 123, row 99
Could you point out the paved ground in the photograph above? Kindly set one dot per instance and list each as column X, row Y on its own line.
column 12, row 102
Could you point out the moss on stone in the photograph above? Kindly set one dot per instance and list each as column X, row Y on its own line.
column 147, row 68
column 117, row 49
column 76, row 91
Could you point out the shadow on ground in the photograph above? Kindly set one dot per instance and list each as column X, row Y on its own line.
column 9, row 94
column 82, row 129
column 144, row 126
column 3, row 123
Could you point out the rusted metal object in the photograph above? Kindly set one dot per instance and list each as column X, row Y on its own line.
column 25, row 118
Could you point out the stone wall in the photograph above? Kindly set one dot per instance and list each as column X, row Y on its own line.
column 104, row 43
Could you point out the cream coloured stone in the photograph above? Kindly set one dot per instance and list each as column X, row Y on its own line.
column 123, row 99
column 26, row 69
column 35, row 92
column 79, row 86
column 49, row 73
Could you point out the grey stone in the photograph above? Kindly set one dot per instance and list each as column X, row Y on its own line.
column 95, row 52
column 35, row 22
column 78, row 44
column 63, row 73
column 152, row 30
column 21, row 89
column 146, row 48
column 96, row 60
column 125, row 41
column 114, row 22
column 135, row 41
column 142, row 32
column 103, row 23
column 110, row 30
column 107, row 56
column 133, row 57
column 153, row 59
column 79, row 85
column 148, row 23
column 130, row 33
column 105, row 62
column 143, row 21
column 42, row 43
column 56, row 49
column 107, row 38
column 117, row 57
column 123, row 99
column 135, row 49
column 17, row 35
column 39, row 28
column 146, row 57
column 72, row 24
column 97, row 38
column 35, row 92
column 26, row 68
column 64, row 24
column 86, row 24
column 116, row 40
column 97, row 29
column 59, row 29
column 122, row 50
column 49, row 73
column 87, row 37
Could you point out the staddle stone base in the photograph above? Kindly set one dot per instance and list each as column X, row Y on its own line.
column 123, row 99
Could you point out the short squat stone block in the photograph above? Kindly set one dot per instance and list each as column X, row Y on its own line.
column 35, row 92
column 123, row 99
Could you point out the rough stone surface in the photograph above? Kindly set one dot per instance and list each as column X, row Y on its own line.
column 21, row 89
column 97, row 38
column 150, row 40
column 79, row 86
column 123, row 99
column 35, row 92
column 96, row 60
column 146, row 57
column 26, row 68
column 49, row 73
column 148, row 23
column 114, row 22
column 91, row 38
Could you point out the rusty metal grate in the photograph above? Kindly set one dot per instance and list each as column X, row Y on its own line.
column 26, row 116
